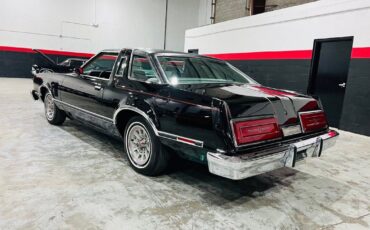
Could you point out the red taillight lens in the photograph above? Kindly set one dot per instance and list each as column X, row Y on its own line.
column 256, row 130
column 313, row 121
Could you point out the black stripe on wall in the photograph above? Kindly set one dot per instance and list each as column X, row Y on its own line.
column 356, row 107
column 18, row 64
column 283, row 74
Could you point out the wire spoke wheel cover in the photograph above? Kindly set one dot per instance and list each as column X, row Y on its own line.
column 49, row 107
column 138, row 144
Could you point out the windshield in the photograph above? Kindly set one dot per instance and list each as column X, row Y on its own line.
column 196, row 70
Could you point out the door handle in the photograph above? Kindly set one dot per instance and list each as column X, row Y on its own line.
column 97, row 87
column 342, row 85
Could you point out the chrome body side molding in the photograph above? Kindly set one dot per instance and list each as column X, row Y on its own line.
column 134, row 109
column 181, row 139
column 83, row 110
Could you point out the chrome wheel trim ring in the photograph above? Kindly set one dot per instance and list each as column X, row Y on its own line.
column 138, row 144
column 49, row 107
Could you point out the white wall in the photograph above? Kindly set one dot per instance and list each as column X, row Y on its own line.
column 92, row 25
column 205, row 12
column 293, row 28
column 183, row 15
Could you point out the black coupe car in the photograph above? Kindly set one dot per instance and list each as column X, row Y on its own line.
column 200, row 108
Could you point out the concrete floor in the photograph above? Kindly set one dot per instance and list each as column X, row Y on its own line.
column 71, row 177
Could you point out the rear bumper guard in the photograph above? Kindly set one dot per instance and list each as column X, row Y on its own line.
column 240, row 167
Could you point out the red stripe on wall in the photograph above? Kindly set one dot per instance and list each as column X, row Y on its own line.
column 49, row 52
column 357, row 53
column 67, row 53
column 16, row 49
column 363, row 52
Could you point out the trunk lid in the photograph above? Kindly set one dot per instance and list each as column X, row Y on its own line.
column 252, row 100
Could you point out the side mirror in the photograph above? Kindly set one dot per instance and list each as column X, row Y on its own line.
column 34, row 69
column 78, row 71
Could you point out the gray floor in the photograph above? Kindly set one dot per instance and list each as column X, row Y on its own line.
column 72, row 177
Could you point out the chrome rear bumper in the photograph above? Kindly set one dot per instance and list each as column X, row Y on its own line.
column 243, row 166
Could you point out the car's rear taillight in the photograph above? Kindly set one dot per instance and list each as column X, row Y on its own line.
column 256, row 130
column 313, row 121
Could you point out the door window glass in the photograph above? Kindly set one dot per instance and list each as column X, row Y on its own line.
column 101, row 66
column 142, row 70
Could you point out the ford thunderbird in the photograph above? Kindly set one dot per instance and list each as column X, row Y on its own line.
column 203, row 109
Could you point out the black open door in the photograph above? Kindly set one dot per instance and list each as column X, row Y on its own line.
column 329, row 71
